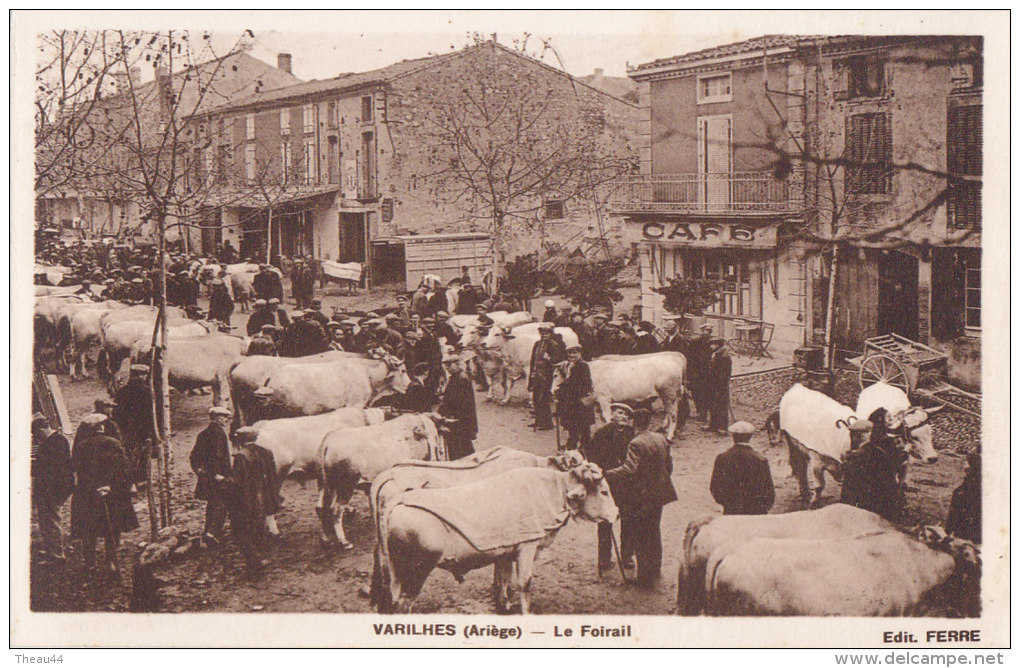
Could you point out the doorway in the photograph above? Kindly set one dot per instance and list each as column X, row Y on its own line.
column 897, row 294
column 352, row 237
column 714, row 163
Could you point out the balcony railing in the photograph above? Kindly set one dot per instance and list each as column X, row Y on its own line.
column 701, row 193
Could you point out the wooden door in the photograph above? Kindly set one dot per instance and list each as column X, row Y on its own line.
column 714, row 147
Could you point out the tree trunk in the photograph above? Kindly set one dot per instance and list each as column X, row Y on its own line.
column 269, row 238
column 166, row 514
column 497, row 250
column 830, row 307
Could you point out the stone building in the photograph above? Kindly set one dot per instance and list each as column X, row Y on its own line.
column 762, row 158
column 343, row 169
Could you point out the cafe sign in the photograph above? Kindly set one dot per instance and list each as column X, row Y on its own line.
column 710, row 235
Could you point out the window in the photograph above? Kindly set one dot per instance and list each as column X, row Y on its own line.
column 222, row 163
column 964, row 160
column 285, row 122
column 208, row 163
column 868, row 155
column 249, row 126
column 865, row 76
column 309, row 162
column 285, row 162
column 366, row 109
column 308, row 114
column 249, row 163
column 555, row 210
column 972, row 296
column 331, row 115
column 715, row 88
column 739, row 297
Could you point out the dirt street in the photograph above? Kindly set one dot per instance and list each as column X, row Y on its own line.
column 304, row 576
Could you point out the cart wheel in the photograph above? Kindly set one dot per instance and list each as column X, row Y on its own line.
column 883, row 369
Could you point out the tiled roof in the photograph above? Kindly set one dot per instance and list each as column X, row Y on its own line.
column 736, row 48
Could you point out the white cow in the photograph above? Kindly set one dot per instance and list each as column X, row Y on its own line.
column 355, row 456
column 471, row 330
column 636, row 378
column 195, row 362
column 83, row 323
column 505, row 354
column 910, row 423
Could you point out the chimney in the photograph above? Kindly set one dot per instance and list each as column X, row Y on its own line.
column 283, row 61
column 597, row 79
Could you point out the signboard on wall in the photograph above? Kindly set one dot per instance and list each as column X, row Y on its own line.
column 710, row 235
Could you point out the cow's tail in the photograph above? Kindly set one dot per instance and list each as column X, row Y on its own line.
column 773, row 429
column 690, row 586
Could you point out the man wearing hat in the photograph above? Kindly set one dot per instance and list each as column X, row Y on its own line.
column 717, row 387
column 430, row 351
column 602, row 335
column 871, row 473
column 105, row 406
column 303, row 336
column 348, row 340
column 584, row 332
column 210, row 460
column 263, row 343
column 545, row 355
column 607, row 450
column 187, row 290
column 259, row 317
column 551, row 314
column 741, row 478
column 699, row 352
column 253, row 474
column 403, row 312
column 101, row 503
column 389, row 337
column 644, row 487
column 674, row 341
column 221, row 306
column 575, row 400
column 267, row 284
column 645, row 342
column 279, row 314
column 52, row 483
column 302, row 283
column 458, row 403
column 444, row 330
column 133, row 414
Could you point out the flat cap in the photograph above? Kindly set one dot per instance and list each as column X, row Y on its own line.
column 549, row 303
column 428, row 321
column 264, row 391
column 451, row 357
column 274, row 300
column 219, row 410
column 741, row 427
column 268, row 328
column 704, row 326
column 333, row 324
column 622, row 407
column 545, row 326
column 573, row 347
column 260, row 302
column 139, row 369
column 441, row 314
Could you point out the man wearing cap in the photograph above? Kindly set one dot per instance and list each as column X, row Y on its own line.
column 403, row 313
column 105, row 406
column 741, row 478
column 221, row 306
column 256, row 501
column 551, row 314
column 133, row 414
column 459, row 404
column 267, row 284
column 259, row 318
column 645, row 487
column 585, row 334
column 264, row 342
column 717, row 387
column 187, row 290
column 545, row 355
column 349, row 341
column 430, row 351
column 101, row 503
column 303, row 336
column 608, row 450
column 389, row 337
column 646, row 342
column 575, row 400
column 871, row 473
column 52, row 483
column 210, row 460
column 444, row 330
column 420, row 301
column 602, row 335
column 279, row 314
column 302, row 283
column 674, row 341
column 699, row 352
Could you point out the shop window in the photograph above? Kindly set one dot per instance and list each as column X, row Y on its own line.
column 868, row 154
column 715, row 88
column 740, row 299
column 964, row 159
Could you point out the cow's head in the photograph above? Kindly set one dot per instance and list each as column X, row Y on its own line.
column 559, row 375
column 568, row 460
column 590, row 499
column 470, row 337
column 497, row 337
column 913, row 429
column 396, row 374
column 966, row 554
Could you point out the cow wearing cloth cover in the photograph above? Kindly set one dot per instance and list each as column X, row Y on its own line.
column 460, row 529
column 390, row 485
column 353, row 457
column 817, row 430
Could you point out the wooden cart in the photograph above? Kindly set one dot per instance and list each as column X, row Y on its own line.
column 915, row 368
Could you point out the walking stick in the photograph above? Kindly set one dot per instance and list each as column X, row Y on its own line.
column 616, row 549
column 558, row 446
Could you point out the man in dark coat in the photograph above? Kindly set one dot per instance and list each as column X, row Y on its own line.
column 644, row 479
column 964, row 519
column 303, row 337
column 438, row 301
column 551, row 314
column 417, row 398
column 101, row 503
column 260, row 317
column 459, row 404
column 263, row 343
column 545, row 355
column 279, row 315
column 302, row 284
column 575, row 400
column 741, row 478
column 602, row 341
column 717, row 387
column 221, row 306
column 133, row 414
column 674, row 341
column 266, row 284
column 645, row 342
column 608, row 450
column 699, row 352
column 251, row 496
column 52, row 483
column 585, row 334
column 420, row 301
column 317, row 313
column 210, row 460
column 444, row 330
column 187, row 290
column 871, row 474
column 429, row 350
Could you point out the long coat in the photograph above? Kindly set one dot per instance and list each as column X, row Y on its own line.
column 267, row 285
column 459, row 403
column 99, row 461
column 133, row 412
column 742, row 482
column 608, row 449
column 871, row 480
column 52, row 472
column 717, row 378
column 220, row 305
column 210, row 457
column 642, row 482
column 545, row 355
column 575, row 387
column 645, row 343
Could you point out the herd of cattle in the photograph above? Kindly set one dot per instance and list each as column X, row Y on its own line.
column 315, row 415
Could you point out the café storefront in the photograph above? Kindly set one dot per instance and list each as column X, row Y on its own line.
column 763, row 285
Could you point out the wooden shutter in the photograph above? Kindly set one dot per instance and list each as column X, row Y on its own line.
column 964, row 159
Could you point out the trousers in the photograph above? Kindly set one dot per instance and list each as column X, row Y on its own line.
column 215, row 517
column 541, row 398
column 640, row 534
column 48, row 518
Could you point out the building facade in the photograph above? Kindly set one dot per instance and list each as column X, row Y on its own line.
column 342, row 169
column 762, row 159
